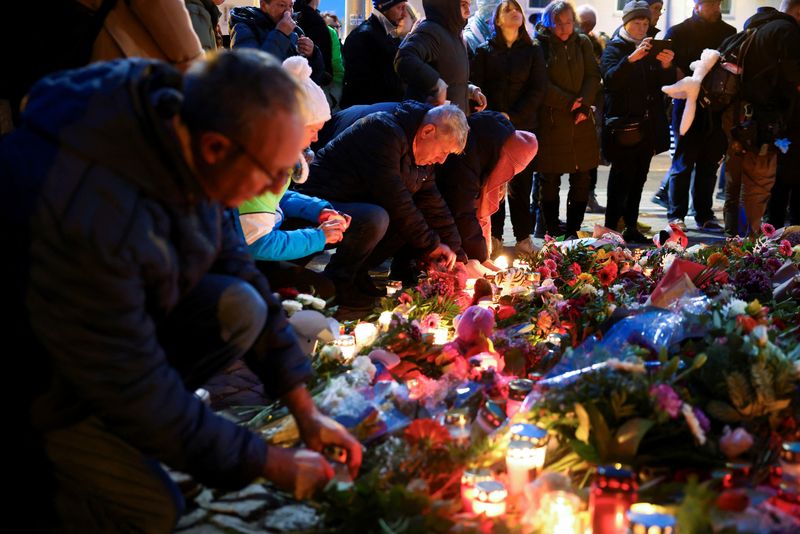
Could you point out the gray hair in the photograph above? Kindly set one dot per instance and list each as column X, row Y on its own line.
column 553, row 10
column 227, row 89
column 450, row 122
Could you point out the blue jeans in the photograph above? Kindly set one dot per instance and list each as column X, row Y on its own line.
column 700, row 151
column 367, row 227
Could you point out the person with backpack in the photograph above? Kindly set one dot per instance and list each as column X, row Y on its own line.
column 271, row 28
column 757, row 123
column 700, row 150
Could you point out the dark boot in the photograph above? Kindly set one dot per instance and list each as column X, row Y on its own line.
column 575, row 212
column 550, row 214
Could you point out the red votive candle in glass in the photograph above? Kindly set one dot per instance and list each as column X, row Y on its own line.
column 612, row 493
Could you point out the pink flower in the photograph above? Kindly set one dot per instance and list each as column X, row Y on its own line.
column 576, row 269
column 767, row 229
column 550, row 264
column 785, row 248
column 405, row 298
column 733, row 444
column 544, row 272
column 666, row 399
column 430, row 321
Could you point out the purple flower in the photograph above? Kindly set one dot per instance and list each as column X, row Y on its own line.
column 666, row 400
column 705, row 424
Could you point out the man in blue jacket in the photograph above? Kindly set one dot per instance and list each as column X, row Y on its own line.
column 133, row 288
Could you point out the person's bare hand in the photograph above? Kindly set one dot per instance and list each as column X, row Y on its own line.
column 299, row 471
column 477, row 95
column 328, row 214
column 439, row 95
column 641, row 51
column 305, row 46
column 445, row 253
column 333, row 230
column 665, row 57
column 318, row 430
column 286, row 25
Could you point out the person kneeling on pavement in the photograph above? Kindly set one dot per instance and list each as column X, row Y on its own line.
column 386, row 159
column 137, row 289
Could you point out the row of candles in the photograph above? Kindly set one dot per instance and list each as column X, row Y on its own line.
column 364, row 334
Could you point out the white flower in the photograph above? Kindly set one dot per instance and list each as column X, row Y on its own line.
column 694, row 424
column 318, row 303
column 305, row 299
column 629, row 366
column 733, row 308
column 666, row 261
column 673, row 245
column 291, row 306
column 588, row 290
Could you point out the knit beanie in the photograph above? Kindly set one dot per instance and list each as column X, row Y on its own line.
column 384, row 5
column 638, row 9
column 315, row 105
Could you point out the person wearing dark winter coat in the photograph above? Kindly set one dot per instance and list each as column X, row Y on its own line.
column 369, row 52
column 134, row 287
column 316, row 29
column 386, row 159
column 636, row 122
column 433, row 60
column 511, row 71
column 770, row 85
column 699, row 151
column 566, row 134
column 270, row 28
column 473, row 182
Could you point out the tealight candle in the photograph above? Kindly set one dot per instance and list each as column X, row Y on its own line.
column 456, row 423
column 520, row 462
column 518, row 389
column 612, row 494
column 440, row 335
column 501, row 262
column 346, row 344
column 558, row 512
column 469, row 479
column 489, row 499
column 535, row 440
column 385, row 319
column 393, row 286
column 647, row 518
column 366, row 334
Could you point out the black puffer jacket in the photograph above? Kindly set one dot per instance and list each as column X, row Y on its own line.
column 692, row 36
column 514, row 79
column 386, row 175
column 633, row 94
column 111, row 231
column 316, row 29
column 461, row 177
column 369, row 75
column 433, row 50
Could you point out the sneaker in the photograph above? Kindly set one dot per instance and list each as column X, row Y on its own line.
column 592, row 206
column 525, row 247
column 661, row 198
column 363, row 282
column 679, row 223
column 632, row 235
column 711, row 225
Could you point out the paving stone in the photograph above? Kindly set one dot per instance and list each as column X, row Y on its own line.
column 292, row 517
column 191, row 519
column 205, row 528
column 234, row 524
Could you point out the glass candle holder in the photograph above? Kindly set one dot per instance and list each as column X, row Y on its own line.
column 469, row 479
column 646, row 518
column 537, row 437
column 790, row 460
column 456, row 423
column 736, row 475
column 346, row 344
column 490, row 417
column 365, row 334
column 384, row 320
column 489, row 498
column 518, row 389
column 440, row 335
column 612, row 493
column 393, row 286
column 559, row 512
column 521, row 464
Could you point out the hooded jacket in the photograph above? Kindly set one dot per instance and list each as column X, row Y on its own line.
column 462, row 177
column 372, row 160
column 252, row 28
column 112, row 229
column 433, row 50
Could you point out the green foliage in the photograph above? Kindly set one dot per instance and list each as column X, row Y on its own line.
column 694, row 512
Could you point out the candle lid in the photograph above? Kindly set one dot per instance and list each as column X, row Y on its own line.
column 492, row 413
column 790, row 452
column 490, row 491
column 472, row 476
column 615, row 478
column 335, row 453
column 529, row 433
column 519, row 388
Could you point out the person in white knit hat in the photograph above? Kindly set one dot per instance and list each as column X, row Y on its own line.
column 274, row 247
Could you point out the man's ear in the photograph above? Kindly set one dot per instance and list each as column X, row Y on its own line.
column 427, row 130
column 214, row 147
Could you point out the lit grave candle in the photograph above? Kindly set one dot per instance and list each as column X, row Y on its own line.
column 525, row 455
column 456, row 423
column 612, row 493
column 501, row 262
column 558, row 513
column 790, row 460
column 385, row 320
column 366, row 334
column 440, row 335
column 489, row 499
column 346, row 344
column 469, row 479
column 647, row 518
column 518, row 389
column 393, row 286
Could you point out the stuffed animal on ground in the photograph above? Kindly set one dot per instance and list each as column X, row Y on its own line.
column 312, row 326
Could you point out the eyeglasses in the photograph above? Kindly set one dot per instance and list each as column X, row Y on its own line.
column 280, row 178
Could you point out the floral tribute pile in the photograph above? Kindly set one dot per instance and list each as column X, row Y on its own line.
column 589, row 386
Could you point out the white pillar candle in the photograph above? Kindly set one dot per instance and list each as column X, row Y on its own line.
column 440, row 335
column 346, row 344
column 365, row 333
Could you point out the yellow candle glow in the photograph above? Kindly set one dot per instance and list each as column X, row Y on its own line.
column 558, row 513
column 485, row 360
column 646, row 518
column 489, row 499
column 393, row 286
column 469, row 479
column 501, row 262
column 365, row 333
column 440, row 335
column 346, row 344
column 385, row 320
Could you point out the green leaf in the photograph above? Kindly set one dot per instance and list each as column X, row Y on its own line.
column 739, row 390
column 585, row 451
column 722, row 411
column 600, row 432
column 629, row 436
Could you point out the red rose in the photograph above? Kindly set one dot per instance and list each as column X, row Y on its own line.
column 505, row 312
column 287, row 292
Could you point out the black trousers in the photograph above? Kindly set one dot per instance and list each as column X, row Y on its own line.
column 626, row 181
column 522, row 205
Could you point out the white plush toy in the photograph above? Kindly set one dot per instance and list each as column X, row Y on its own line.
column 689, row 87
column 311, row 326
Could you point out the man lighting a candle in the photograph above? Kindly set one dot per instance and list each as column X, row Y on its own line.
column 134, row 289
